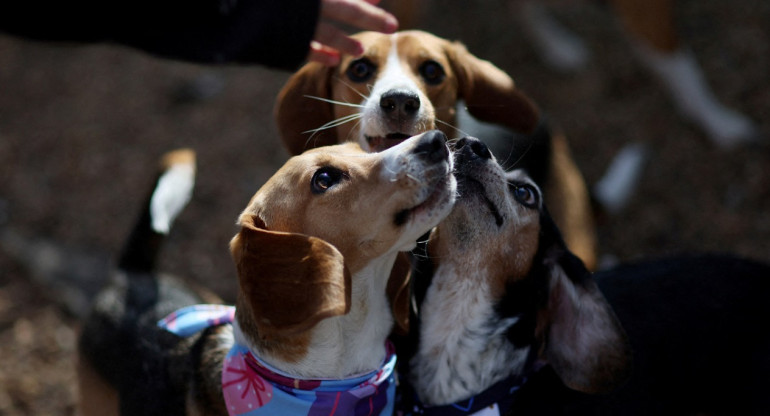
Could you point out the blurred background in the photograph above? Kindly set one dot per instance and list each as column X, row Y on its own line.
column 82, row 128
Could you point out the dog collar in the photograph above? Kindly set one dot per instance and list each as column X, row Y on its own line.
column 195, row 318
column 252, row 388
column 494, row 401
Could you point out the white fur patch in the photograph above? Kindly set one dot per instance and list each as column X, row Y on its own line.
column 393, row 77
column 462, row 349
column 172, row 193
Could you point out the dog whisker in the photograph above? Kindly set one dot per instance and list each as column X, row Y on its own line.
column 342, row 81
column 354, row 131
column 425, row 241
column 453, row 141
column 523, row 154
column 329, row 125
column 464, row 133
column 343, row 103
column 335, row 123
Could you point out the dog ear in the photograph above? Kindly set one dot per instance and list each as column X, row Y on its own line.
column 489, row 93
column 583, row 339
column 398, row 292
column 289, row 281
column 585, row 344
column 297, row 114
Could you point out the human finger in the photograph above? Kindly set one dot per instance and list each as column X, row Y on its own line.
column 360, row 14
column 323, row 55
column 335, row 38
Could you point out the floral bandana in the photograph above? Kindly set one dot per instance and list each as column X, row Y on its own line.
column 251, row 388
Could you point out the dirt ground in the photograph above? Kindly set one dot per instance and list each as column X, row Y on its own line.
column 81, row 128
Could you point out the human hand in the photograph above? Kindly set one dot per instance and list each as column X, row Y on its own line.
column 329, row 41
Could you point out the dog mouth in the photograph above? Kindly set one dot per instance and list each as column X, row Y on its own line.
column 468, row 185
column 439, row 195
column 380, row 143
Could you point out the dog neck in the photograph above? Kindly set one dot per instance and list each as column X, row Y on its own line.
column 463, row 347
column 340, row 346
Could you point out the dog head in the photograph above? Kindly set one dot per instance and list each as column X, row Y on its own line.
column 404, row 84
column 325, row 216
column 499, row 233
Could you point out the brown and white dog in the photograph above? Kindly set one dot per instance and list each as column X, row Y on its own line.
column 412, row 81
column 314, row 256
column 651, row 27
column 510, row 321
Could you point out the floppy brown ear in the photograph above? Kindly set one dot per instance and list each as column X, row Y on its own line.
column 296, row 114
column 490, row 93
column 289, row 281
column 585, row 343
column 398, row 292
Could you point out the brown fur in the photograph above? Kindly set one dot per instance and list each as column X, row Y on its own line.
column 314, row 279
column 489, row 94
column 97, row 397
column 569, row 201
column 651, row 22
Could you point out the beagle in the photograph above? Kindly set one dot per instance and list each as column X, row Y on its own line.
column 511, row 322
column 651, row 28
column 413, row 81
column 314, row 254
column 504, row 296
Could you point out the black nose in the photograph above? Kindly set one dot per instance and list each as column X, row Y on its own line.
column 473, row 147
column 400, row 102
column 432, row 147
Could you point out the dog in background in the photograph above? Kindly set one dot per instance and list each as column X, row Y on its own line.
column 509, row 319
column 651, row 28
column 411, row 82
column 315, row 300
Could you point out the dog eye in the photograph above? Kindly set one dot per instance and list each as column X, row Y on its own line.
column 525, row 195
column 432, row 72
column 361, row 70
column 325, row 178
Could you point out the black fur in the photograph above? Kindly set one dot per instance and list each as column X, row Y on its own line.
column 531, row 152
column 697, row 326
column 701, row 344
column 144, row 243
column 151, row 368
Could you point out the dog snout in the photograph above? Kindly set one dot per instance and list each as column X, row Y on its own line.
column 400, row 103
column 432, row 147
column 472, row 148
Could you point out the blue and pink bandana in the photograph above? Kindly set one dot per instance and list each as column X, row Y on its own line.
column 251, row 388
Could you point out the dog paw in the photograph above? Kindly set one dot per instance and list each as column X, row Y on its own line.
column 557, row 46
column 687, row 87
column 729, row 129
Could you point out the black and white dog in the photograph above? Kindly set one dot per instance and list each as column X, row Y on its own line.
column 510, row 322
